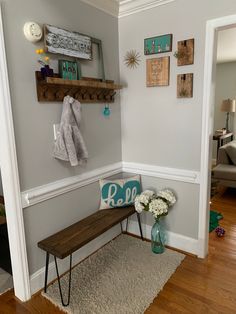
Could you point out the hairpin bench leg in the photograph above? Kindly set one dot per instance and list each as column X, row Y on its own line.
column 59, row 282
column 121, row 227
column 127, row 223
column 46, row 272
column 140, row 226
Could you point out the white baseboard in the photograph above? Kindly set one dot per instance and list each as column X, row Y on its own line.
column 174, row 240
column 37, row 279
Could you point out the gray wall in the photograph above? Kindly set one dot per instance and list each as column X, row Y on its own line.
column 185, row 207
column 34, row 121
column 225, row 88
column 158, row 128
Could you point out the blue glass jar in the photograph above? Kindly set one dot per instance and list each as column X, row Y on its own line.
column 158, row 237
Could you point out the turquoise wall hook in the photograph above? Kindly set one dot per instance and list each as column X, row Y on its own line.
column 106, row 111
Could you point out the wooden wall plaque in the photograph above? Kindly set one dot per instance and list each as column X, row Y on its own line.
column 185, row 85
column 185, row 52
column 158, row 71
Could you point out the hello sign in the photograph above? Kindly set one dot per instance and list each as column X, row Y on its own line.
column 119, row 193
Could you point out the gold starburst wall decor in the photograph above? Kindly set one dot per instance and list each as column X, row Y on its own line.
column 132, row 59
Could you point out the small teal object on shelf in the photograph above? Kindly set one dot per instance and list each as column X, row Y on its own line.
column 158, row 238
column 106, row 111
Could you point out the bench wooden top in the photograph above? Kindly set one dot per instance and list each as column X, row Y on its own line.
column 67, row 241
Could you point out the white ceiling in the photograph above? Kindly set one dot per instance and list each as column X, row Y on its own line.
column 226, row 50
column 120, row 8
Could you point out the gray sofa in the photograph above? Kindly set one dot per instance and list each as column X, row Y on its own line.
column 225, row 171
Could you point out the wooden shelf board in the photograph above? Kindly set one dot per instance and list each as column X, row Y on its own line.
column 82, row 83
column 87, row 90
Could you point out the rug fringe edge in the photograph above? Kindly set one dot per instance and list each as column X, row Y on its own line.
column 55, row 303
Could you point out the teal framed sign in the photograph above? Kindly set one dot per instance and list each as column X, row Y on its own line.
column 158, row 44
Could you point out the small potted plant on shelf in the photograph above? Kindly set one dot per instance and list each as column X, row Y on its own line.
column 44, row 61
column 157, row 204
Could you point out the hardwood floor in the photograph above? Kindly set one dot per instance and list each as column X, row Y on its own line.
column 198, row 286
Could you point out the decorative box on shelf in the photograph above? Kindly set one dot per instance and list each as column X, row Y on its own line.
column 86, row 90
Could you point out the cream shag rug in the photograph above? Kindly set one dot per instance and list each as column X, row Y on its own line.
column 123, row 277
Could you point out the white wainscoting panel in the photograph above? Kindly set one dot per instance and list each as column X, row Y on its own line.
column 53, row 189
column 183, row 175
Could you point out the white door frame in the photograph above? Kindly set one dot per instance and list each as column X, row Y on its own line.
column 212, row 27
column 10, row 180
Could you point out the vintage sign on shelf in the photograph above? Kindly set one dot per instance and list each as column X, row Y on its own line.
column 158, row 44
column 185, row 85
column 69, row 70
column 158, row 71
column 67, row 43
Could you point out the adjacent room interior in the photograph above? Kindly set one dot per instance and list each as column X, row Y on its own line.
column 106, row 197
column 223, row 178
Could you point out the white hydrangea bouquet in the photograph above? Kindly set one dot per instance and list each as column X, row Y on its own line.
column 157, row 204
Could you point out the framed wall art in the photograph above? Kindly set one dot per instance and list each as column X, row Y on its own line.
column 185, row 85
column 158, row 71
column 73, row 44
column 185, row 53
column 158, row 44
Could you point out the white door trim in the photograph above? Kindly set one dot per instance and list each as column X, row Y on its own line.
column 11, row 186
column 212, row 27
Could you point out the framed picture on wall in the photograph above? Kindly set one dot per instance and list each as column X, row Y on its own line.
column 158, row 71
column 185, row 85
column 158, row 44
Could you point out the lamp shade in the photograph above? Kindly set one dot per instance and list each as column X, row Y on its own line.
column 228, row 105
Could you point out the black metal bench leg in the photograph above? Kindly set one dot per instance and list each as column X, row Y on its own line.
column 121, row 227
column 46, row 272
column 127, row 224
column 59, row 282
column 140, row 226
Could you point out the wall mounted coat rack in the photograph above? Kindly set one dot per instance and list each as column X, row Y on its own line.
column 86, row 90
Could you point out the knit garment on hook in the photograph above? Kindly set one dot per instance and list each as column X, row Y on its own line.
column 70, row 145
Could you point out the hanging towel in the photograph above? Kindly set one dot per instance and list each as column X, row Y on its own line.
column 69, row 145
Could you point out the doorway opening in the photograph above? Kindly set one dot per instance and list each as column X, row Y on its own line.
column 215, row 29
column 223, row 174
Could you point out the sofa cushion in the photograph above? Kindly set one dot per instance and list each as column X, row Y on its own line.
column 231, row 151
column 224, row 172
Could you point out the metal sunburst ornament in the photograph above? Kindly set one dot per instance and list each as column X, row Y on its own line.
column 132, row 59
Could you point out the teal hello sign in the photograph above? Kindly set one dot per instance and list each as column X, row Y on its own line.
column 119, row 193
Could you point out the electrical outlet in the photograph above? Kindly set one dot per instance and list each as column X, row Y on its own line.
column 56, row 131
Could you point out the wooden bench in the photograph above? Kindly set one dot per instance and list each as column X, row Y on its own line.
column 65, row 242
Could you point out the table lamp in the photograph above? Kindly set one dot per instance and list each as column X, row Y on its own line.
column 228, row 105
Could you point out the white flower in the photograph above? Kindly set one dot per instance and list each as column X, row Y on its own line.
column 138, row 207
column 158, row 207
column 167, row 195
column 142, row 198
column 149, row 194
